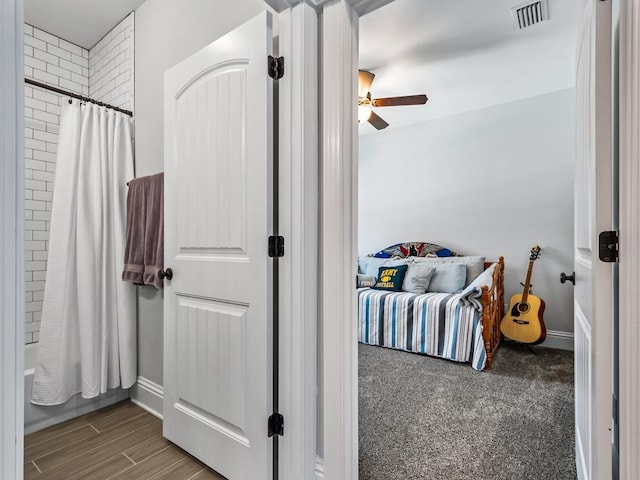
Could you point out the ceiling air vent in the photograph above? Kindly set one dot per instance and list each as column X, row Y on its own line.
column 524, row 16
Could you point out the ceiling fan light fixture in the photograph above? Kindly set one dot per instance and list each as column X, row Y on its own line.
column 366, row 103
column 364, row 113
column 365, row 79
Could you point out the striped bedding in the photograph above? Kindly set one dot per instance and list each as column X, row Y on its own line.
column 438, row 324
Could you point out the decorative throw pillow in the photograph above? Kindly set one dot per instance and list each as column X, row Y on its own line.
column 391, row 278
column 485, row 278
column 475, row 264
column 448, row 278
column 417, row 278
column 415, row 249
column 364, row 281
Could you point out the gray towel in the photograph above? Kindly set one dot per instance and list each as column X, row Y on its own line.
column 154, row 231
column 136, row 224
column 144, row 251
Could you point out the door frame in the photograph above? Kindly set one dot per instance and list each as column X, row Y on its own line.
column 629, row 304
column 316, row 293
column 11, row 239
column 298, row 178
column 338, row 244
column 339, row 235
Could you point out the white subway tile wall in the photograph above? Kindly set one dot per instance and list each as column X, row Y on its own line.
column 111, row 66
column 104, row 73
column 54, row 61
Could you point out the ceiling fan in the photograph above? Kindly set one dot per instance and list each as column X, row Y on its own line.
column 366, row 103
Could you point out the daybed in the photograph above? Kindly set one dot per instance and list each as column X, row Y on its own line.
column 462, row 326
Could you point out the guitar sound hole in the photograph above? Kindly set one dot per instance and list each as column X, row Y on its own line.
column 523, row 307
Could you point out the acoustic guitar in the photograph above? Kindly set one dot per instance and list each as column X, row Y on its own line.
column 523, row 321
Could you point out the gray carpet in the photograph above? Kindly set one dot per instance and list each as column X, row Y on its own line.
column 427, row 418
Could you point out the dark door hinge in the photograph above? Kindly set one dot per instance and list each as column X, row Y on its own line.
column 608, row 246
column 276, row 67
column 275, row 424
column 276, row 246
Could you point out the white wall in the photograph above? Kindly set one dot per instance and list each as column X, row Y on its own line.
column 53, row 61
column 166, row 32
column 491, row 182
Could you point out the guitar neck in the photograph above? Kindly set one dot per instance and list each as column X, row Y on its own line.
column 527, row 283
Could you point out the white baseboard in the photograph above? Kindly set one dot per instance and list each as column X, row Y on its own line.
column 148, row 395
column 558, row 339
column 319, row 473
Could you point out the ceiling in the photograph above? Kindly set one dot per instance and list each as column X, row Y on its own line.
column 83, row 22
column 465, row 55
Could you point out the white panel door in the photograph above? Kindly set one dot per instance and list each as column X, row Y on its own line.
column 218, row 201
column 594, row 190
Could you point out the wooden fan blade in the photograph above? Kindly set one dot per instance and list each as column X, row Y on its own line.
column 365, row 79
column 396, row 101
column 377, row 121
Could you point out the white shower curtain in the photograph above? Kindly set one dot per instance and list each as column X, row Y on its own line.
column 88, row 330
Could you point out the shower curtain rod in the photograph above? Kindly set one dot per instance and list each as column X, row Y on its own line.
column 75, row 95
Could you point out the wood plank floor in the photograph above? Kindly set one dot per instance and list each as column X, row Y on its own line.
column 121, row 442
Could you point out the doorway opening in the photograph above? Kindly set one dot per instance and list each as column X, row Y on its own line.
column 485, row 169
column 210, row 386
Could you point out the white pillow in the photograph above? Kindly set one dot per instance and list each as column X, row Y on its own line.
column 448, row 278
column 475, row 264
column 417, row 278
column 370, row 265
